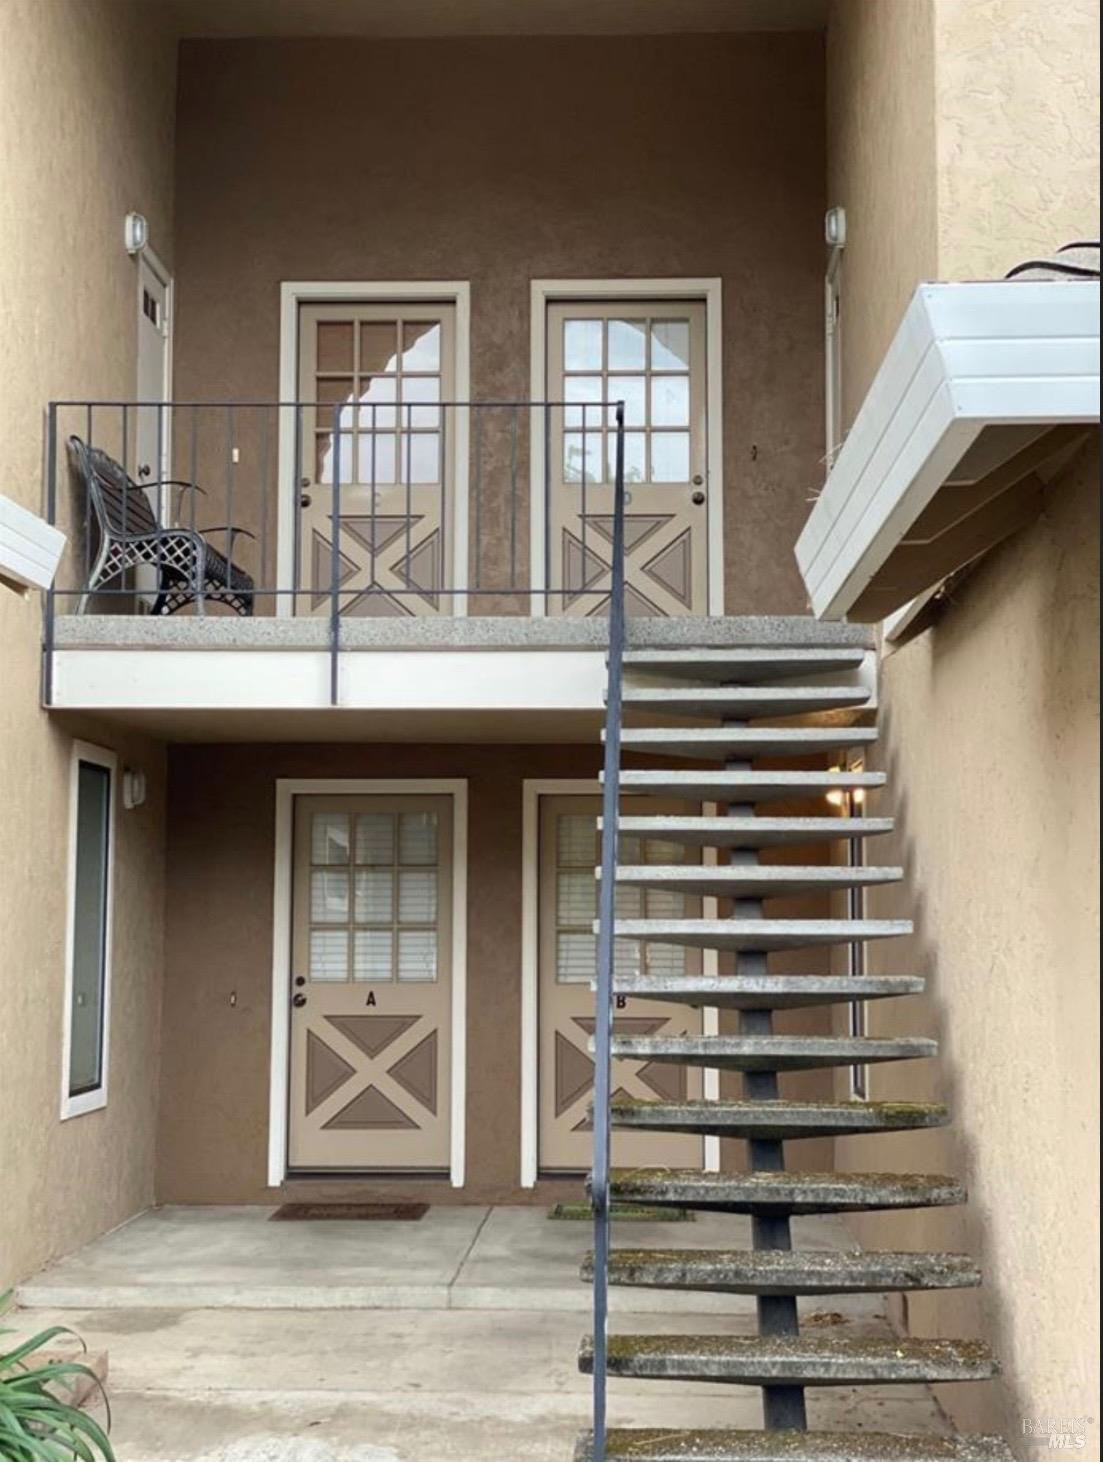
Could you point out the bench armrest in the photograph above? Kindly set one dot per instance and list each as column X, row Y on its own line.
column 228, row 528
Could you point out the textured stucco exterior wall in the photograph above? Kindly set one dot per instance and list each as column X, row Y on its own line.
column 503, row 160
column 991, row 742
column 1018, row 131
column 881, row 167
column 86, row 117
column 990, row 726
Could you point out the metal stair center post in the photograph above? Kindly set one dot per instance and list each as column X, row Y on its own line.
column 783, row 1407
column 603, row 1024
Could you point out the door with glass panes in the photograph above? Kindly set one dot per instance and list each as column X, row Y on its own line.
column 569, row 854
column 372, row 378
column 650, row 355
column 371, row 983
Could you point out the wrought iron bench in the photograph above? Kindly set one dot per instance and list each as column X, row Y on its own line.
column 190, row 569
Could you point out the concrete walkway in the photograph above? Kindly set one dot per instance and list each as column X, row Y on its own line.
column 453, row 1258
column 453, row 1339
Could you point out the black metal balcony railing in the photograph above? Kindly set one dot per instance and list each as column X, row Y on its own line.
column 270, row 472
column 331, row 509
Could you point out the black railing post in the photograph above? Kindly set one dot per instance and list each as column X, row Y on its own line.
column 335, row 566
column 603, row 1024
column 298, row 489
column 546, row 508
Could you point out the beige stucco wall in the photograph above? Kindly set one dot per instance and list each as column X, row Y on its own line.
column 1018, row 131
column 991, row 742
column 990, row 726
column 882, row 168
column 213, row 1141
column 503, row 160
column 86, row 116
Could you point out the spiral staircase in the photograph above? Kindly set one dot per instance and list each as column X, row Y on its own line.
column 712, row 714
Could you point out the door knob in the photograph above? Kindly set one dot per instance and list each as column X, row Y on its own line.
column 298, row 1001
column 698, row 498
column 305, row 500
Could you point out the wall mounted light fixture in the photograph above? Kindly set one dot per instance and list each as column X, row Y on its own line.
column 134, row 788
column 135, row 232
column 834, row 228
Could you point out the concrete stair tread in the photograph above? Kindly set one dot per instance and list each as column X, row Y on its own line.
column 669, row 1445
column 752, row 832
column 717, row 743
column 764, row 880
column 775, row 1120
column 743, row 702
column 773, row 1053
column 747, row 666
column 765, row 992
column 745, row 786
column 787, row 1271
column 794, row 1359
column 781, row 1191
column 759, row 934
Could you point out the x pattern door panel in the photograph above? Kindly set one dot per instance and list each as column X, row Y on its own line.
column 375, row 376
column 651, row 356
column 371, row 987
column 568, row 962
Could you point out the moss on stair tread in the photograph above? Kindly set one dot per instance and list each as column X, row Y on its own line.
column 776, row 1119
column 765, row 991
column 788, row 1192
column 787, row 1271
column 772, row 1053
column 791, row 1446
column 792, row 1360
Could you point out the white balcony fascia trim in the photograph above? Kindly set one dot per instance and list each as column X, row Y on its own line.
column 282, row 680
column 30, row 548
column 966, row 357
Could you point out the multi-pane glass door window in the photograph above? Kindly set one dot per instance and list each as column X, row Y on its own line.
column 578, row 852
column 378, row 385
column 645, row 362
column 374, row 896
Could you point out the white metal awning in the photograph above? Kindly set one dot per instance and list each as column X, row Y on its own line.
column 30, row 549
column 985, row 391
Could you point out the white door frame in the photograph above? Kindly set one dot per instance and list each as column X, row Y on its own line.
column 287, row 789
column 150, row 262
column 533, row 788
column 293, row 293
column 710, row 292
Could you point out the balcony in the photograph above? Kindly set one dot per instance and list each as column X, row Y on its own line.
column 393, row 563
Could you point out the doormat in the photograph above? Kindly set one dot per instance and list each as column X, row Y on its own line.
column 624, row 1212
column 386, row 1212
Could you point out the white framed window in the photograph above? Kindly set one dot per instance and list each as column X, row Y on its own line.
column 90, row 898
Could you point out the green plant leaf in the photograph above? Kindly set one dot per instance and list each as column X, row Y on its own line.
column 36, row 1342
column 36, row 1424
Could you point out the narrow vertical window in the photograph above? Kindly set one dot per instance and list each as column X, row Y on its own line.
column 89, row 931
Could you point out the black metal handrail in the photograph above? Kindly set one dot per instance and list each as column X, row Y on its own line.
column 603, row 1023
column 257, row 467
